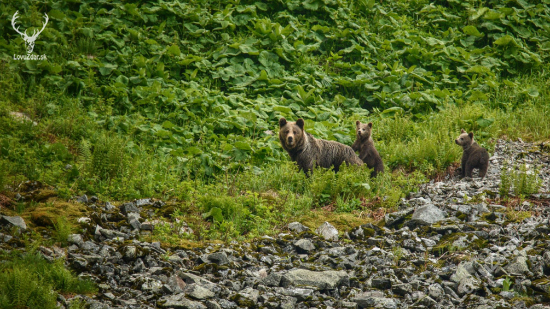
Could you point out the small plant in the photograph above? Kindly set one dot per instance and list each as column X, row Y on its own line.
column 86, row 46
column 506, row 285
column 62, row 228
column 397, row 254
column 526, row 181
column 519, row 179
column 505, row 180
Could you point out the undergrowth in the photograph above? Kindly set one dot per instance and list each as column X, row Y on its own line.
column 29, row 281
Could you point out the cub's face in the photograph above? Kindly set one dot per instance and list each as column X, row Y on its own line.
column 291, row 133
column 363, row 130
column 464, row 139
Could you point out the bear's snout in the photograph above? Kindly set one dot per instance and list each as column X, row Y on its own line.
column 290, row 140
column 456, row 141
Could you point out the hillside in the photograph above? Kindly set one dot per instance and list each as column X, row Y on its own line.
column 179, row 101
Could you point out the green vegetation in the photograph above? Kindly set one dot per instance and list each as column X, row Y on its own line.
column 520, row 179
column 29, row 281
column 180, row 100
column 506, row 284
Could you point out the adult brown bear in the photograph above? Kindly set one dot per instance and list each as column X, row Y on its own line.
column 308, row 151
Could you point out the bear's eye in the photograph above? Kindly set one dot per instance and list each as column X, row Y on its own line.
column 461, row 138
column 294, row 132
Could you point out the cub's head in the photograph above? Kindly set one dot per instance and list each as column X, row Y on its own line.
column 363, row 130
column 465, row 139
column 291, row 134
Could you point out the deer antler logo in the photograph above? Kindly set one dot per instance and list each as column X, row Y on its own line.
column 29, row 40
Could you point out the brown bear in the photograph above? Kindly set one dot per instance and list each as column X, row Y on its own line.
column 474, row 156
column 365, row 145
column 308, row 151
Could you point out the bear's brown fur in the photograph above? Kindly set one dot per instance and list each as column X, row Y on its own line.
column 474, row 156
column 308, row 152
column 365, row 145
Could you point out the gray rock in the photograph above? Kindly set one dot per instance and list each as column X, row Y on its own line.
column 381, row 283
column 143, row 202
column 304, row 245
column 247, row 297
column 297, row 227
column 13, row 221
column 436, row 291
column 198, row 292
column 374, row 299
column 190, row 278
column 82, row 199
column 219, row 258
column 402, row 289
column 467, row 285
column 461, row 272
column 507, row 294
column 328, row 231
column 152, row 285
column 272, row 279
column 179, row 301
column 427, row 301
column 109, row 206
column 518, row 266
column 210, row 304
column 395, row 218
column 127, row 208
column 427, row 215
column 321, row 280
column 299, row 293
column 226, row 304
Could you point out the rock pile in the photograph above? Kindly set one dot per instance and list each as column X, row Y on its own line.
column 448, row 246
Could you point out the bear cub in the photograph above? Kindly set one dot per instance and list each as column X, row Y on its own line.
column 365, row 145
column 308, row 151
column 474, row 156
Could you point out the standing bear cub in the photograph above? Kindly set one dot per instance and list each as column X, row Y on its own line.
column 474, row 156
column 308, row 152
column 365, row 145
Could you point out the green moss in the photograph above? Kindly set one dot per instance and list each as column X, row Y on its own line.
column 462, row 216
column 369, row 232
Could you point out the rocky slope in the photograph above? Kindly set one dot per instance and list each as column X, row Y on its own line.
column 451, row 245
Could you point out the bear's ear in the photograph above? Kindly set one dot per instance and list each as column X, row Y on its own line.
column 357, row 123
column 300, row 123
column 282, row 122
column 471, row 135
column 462, row 131
column 370, row 124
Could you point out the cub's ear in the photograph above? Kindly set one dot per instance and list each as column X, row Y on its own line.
column 282, row 122
column 462, row 131
column 300, row 123
column 370, row 124
column 471, row 135
column 357, row 123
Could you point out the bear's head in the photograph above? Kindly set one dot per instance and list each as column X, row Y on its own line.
column 291, row 134
column 363, row 130
column 465, row 139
